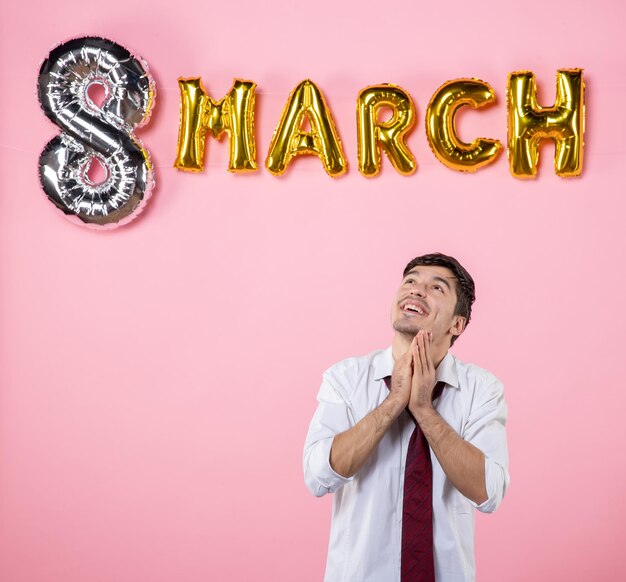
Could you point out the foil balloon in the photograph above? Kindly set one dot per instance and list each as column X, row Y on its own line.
column 233, row 115
column 390, row 134
column 96, row 132
column 291, row 140
column 441, row 129
column 528, row 123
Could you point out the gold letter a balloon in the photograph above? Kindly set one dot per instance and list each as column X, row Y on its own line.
column 322, row 140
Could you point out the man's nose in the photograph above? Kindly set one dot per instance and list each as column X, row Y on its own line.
column 418, row 290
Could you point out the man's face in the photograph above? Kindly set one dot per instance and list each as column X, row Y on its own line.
column 426, row 300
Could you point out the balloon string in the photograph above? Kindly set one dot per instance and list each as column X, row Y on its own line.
column 206, row 165
column 282, row 96
column 215, row 165
column 13, row 148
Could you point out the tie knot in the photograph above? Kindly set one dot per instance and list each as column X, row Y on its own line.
column 438, row 389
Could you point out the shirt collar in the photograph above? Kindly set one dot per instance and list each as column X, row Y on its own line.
column 383, row 365
column 446, row 371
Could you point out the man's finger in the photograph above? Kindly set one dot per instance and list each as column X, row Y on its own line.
column 421, row 350
column 412, row 349
column 429, row 360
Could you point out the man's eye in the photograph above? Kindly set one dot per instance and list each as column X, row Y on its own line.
column 438, row 288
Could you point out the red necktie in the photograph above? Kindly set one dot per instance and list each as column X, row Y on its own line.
column 417, row 562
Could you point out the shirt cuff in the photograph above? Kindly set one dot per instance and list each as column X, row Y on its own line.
column 323, row 479
column 496, row 481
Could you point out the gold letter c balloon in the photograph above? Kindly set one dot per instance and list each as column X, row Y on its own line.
column 441, row 131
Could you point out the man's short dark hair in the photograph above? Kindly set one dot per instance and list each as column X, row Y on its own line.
column 465, row 288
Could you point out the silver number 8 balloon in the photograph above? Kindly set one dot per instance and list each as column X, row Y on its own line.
column 103, row 132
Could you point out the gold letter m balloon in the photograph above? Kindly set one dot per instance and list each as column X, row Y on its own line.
column 529, row 123
column 234, row 115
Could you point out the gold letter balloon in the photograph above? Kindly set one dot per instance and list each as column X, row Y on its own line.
column 233, row 114
column 289, row 140
column 529, row 123
column 390, row 134
column 441, row 130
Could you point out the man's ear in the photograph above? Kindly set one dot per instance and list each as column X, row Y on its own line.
column 458, row 325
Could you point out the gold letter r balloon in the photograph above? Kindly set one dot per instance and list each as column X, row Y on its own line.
column 389, row 134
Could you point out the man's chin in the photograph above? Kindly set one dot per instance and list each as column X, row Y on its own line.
column 406, row 328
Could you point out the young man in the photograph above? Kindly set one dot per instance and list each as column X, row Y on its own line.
column 411, row 440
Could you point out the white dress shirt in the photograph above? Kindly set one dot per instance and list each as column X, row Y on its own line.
column 366, row 531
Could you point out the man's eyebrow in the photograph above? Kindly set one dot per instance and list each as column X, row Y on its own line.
column 444, row 281
column 435, row 278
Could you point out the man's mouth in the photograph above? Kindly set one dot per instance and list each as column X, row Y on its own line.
column 414, row 308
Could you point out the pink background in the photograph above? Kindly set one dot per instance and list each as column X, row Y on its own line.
column 156, row 381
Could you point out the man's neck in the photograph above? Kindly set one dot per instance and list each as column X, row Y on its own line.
column 402, row 342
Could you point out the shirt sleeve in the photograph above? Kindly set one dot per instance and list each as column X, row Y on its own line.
column 333, row 416
column 485, row 429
